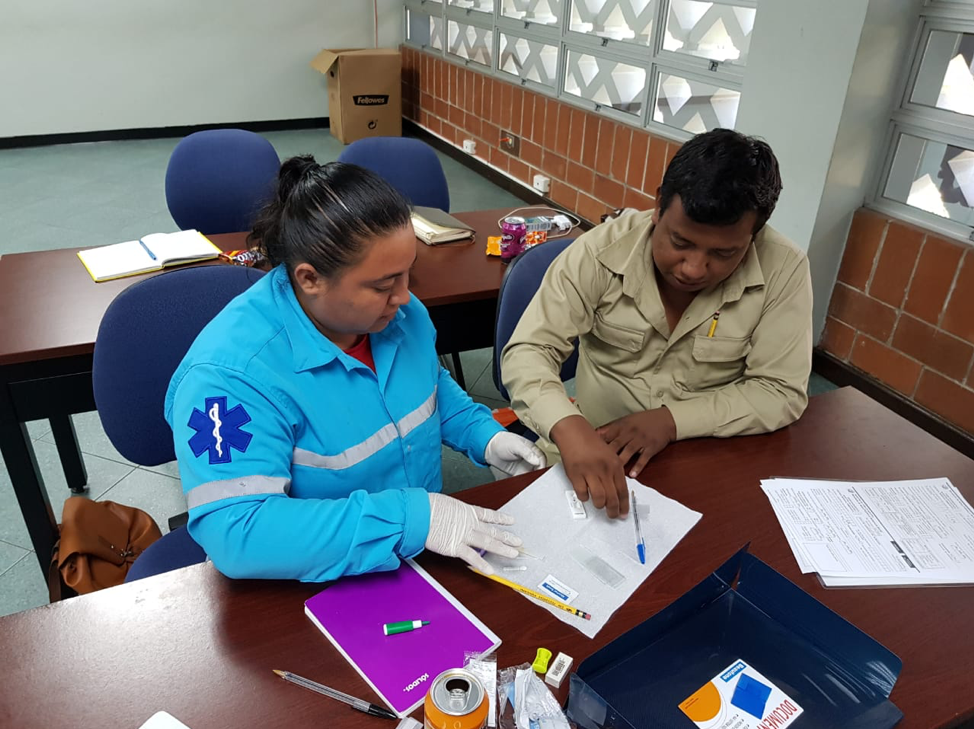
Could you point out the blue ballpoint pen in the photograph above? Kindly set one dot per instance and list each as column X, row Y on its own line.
column 151, row 254
column 640, row 542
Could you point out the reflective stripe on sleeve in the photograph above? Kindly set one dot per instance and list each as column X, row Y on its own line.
column 371, row 445
column 207, row 493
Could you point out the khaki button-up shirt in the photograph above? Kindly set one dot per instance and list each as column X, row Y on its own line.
column 750, row 377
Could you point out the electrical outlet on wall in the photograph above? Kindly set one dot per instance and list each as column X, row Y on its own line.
column 510, row 143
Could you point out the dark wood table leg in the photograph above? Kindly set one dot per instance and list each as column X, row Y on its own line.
column 69, row 451
column 458, row 370
column 28, row 484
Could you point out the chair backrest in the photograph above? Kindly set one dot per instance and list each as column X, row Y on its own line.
column 218, row 180
column 143, row 337
column 409, row 165
column 520, row 282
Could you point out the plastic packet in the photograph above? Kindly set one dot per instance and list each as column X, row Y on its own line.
column 485, row 668
column 505, row 695
column 535, row 707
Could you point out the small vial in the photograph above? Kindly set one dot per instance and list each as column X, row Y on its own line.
column 517, row 568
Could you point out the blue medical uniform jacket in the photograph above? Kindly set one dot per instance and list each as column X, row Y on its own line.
column 296, row 459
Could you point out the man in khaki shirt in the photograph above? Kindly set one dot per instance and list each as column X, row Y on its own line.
column 693, row 320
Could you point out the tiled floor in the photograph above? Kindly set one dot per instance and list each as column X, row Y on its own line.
column 93, row 194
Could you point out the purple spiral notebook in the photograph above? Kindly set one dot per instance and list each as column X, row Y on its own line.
column 352, row 611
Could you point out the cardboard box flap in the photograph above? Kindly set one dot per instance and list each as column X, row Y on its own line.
column 328, row 57
column 324, row 60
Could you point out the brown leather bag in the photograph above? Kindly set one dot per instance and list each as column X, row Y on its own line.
column 99, row 542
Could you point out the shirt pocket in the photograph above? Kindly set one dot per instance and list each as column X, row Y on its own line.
column 615, row 347
column 718, row 361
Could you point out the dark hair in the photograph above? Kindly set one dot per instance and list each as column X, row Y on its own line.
column 325, row 214
column 720, row 176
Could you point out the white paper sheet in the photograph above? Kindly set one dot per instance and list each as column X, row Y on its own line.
column 551, row 535
column 877, row 533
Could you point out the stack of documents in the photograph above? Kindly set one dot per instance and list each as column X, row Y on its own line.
column 877, row 533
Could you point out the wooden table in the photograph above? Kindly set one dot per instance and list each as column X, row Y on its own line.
column 202, row 647
column 51, row 314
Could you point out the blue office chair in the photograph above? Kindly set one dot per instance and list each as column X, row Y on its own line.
column 218, row 180
column 409, row 165
column 520, row 282
column 143, row 337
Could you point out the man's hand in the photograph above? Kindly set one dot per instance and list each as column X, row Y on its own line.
column 591, row 465
column 644, row 434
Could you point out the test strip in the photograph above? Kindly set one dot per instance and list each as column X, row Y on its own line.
column 576, row 507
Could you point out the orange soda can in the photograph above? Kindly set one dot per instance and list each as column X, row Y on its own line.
column 456, row 700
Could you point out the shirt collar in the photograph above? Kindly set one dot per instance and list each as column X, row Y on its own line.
column 631, row 256
column 309, row 347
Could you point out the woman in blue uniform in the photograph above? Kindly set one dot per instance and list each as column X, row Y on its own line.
column 308, row 416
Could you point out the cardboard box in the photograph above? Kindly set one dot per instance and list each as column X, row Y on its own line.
column 364, row 92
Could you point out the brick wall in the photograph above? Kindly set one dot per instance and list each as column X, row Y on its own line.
column 595, row 164
column 903, row 312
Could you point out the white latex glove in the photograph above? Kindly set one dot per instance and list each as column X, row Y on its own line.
column 509, row 454
column 458, row 529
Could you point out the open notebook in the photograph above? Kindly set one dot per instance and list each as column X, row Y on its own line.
column 152, row 253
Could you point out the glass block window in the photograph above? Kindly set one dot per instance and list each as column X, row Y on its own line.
column 529, row 59
column 673, row 66
column 630, row 20
column 934, row 177
column 545, row 12
column 928, row 176
column 608, row 83
column 946, row 76
column 470, row 42
column 694, row 106
column 709, row 30
column 424, row 30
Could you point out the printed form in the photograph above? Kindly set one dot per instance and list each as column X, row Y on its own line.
column 877, row 533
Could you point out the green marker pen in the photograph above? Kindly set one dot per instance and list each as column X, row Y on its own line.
column 404, row 627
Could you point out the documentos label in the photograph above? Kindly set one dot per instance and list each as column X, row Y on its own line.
column 739, row 697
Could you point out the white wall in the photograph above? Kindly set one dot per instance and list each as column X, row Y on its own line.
column 69, row 66
column 861, row 141
column 819, row 87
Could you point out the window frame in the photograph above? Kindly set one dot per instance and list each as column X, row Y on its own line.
column 650, row 57
column 937, row 125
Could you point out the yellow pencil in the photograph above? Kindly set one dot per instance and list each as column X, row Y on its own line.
column 537, row 595
column 713, row 324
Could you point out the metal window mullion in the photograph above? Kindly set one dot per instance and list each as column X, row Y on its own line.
column 934, row 223
column 687, row 65
column 920, row 126
column 551, row 33
column 536, row 32
column 695, row 74
column 949, row 12
column 468, row 17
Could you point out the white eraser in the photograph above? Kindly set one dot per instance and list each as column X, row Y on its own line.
column 576, row 506
column 559, row 669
